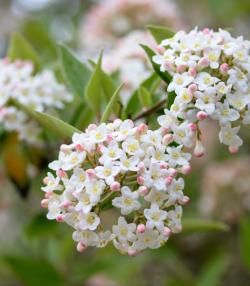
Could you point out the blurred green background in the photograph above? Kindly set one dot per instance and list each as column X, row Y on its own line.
column 37, row 252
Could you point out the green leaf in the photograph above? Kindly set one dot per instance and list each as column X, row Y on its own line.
column 57, row 126
column 213, row 271
column 145, row 97
column 40, row 226
column 203, row 225
column 21, row 49
column 39, row 37
column 110, row 107
column 160, row 33
column 34, row 272
column 150, row 53
column 75, row 72
column 245, row 241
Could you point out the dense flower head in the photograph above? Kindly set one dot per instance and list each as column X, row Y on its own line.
column 40, row 92
column 210, row 77
column 110, row 20
column 124, row 166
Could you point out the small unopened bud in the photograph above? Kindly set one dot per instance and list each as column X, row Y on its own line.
column 141, row 228
column 61, row 173
column 79, row 148
column 48, row 194
column 169, row 180
column 132, row 252
column 203, row 63
column 160, row 49
column 44, row 203
column 201, row 115
column 185, row 169
column 46, row 180
column 141, row 167
column 164, row 165
column 192, row 72
column 185, row 200
column 140, row 180
column 206, row 31
column 80, row 247
column 224, row 68
column 66, row 204
column 192, row 88
column 142, row 128
column 181, row 68
column 143, row 191
column 167, row 139
column 168, row 65
column 114, row 187
column 109, row 138
column 233, row 149
column 166, row 231
column 172, row 172
column 91, row 127
column 193, row 127
column 59, row 218
column 199, row 149
column 90, row 173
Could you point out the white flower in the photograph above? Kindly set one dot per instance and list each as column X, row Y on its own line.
column 174, row 219
column 124, row 231
column 246, row 119
column 54, row 207
column 204, row 80
column 127, row 202
column 156, row 197
column 125, row 130
column 176, row 156
column 148, row 239
column 167, row 120
column 94, row 189
column 84, row 203
column 213, row 55
column 179, row 82
column 132, row 147
column 99, row 134
column 78, row 179
column 155, row 177
column 225, row 114
column 52, row 183
column 88, row 238
column 228, row 136
column 129, row 163
column 183, row 134
column 238, row 100
column 206, row 100
column 155, row 217
column 107, row 172
column 89, row 221
column 111, row 152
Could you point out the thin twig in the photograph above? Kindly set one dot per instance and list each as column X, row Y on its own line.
column 151, row 110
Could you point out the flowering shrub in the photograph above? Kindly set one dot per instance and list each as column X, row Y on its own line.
column 40, row 92
column 130, row 167
column 210, row 77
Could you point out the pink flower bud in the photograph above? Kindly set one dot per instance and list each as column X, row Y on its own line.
column 167, row 139
column 79, row 148
column 81, row 247
column 193, row 127
column 185, row 200
column 44, row 203
column 90, row 173
column 192, row 88
column 160, row 49
column 181, row 68
column 206, row 31
column 201, row 115
column 169, row 66
column 59, row 218
column 46, row 180
column 203, row 63
column 192, row 72
column 199, row 149
column 109, row 138
column 142, row 128
column 61, row 173
column 91, row 127
column 224, row 68
column 66, row 204
column 233, row 149
column 143, row 191
column 140, row 228
column 169, row 180
column 140, row 180
column 163, row 165
column 185, row 169
column 48, row 195
column 172, row 172
column 141, row 167
column 114, row 187
column 166, row 231
column 132, row 252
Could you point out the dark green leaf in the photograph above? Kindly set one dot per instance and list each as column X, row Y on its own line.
column 34, row 272
column 245, row 241
column 160, row 33
column 21, row 49
column 145, row 97
column 75, row 72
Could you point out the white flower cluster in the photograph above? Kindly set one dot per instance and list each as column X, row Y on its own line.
column 127, row 167
column 210, row 77
column 41, row 92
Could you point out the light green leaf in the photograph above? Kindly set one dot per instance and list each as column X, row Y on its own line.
column 160, row 33
column 21, row 49
column 75, row 72
column 145, row 97
column 34, row 272
column 245, row 241
column 203, row 225
column 110, row 107
column 57, row 126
